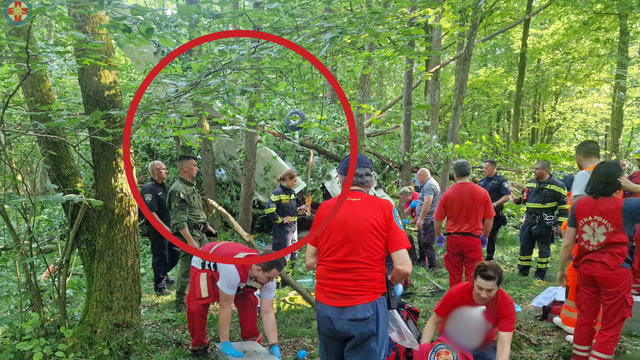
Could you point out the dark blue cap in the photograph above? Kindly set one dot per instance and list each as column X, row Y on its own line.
column 362, row 161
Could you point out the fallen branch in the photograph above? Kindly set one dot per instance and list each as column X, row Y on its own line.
column 383, row 110
column 306, row 295
column 390, row 130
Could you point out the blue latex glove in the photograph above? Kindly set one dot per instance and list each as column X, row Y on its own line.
column 275, row 351
column 398, row 289
column 518, row 309
column 413, row 204
column 441, row 240
column 405, row 221
column 484, row 241
column 302, row 354
column 229, row 350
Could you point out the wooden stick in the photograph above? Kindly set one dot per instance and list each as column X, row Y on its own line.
column 306, row 295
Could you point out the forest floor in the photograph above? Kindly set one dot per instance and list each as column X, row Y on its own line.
column 166, row 335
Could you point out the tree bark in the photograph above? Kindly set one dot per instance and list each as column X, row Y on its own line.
column 362, row 97
column 111, row 252
column 535, row 121
column 620, row 85
column 248, row 168
column 250, row 153
column 461, row 81
column 407, row 105
column 61, row 167
column 522, row 69
column 432, row 90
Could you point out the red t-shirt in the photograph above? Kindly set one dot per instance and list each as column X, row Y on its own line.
column 353, row 248
column 465, row 205
column 500, row 312
column 406, row 205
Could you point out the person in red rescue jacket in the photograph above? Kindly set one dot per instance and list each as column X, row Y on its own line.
column 229, row 285
column 603, row 262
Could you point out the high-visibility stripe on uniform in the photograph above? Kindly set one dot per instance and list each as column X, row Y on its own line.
column 581, row 347
column 279, row 221
column 204, row 290
column 542, row 206
column 601, row 355
column 270, row 210
column 543, row 263
column 556, row 188
column 581, row 353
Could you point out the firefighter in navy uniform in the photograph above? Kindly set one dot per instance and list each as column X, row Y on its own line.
column 544, row 195
column 498, row 189
column 282, row 210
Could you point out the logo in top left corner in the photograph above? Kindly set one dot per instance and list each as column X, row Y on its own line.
column 17, row 12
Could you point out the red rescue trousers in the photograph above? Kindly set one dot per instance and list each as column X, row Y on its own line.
column 463, row 252
column 598, row 286
column 636, row 262
column 198, row 309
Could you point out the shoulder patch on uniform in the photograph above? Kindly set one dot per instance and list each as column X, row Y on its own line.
column 442, row 351
column 506, row 184
column 396, row 218
column 148, row 197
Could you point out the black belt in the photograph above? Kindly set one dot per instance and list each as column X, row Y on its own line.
column 462, row 234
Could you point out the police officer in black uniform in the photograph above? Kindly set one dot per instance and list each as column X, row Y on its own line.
column 544, row 195
column 498, row 189
column 165, row 254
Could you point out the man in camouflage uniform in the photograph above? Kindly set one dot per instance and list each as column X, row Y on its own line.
column 188, row 221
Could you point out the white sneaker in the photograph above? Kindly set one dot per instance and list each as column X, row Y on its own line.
column 558, row 321
column 569, row 339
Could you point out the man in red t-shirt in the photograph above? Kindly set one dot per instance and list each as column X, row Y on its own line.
column 484, row 291
column 635, row 176
column 469, row 213
column 349, row 256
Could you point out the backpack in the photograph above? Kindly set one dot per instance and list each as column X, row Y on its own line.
column 550, row 311
column 410, row 315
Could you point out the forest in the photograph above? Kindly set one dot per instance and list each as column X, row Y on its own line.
column 427, row 83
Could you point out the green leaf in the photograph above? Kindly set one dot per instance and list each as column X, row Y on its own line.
column 366, row 71
column 423, row 107
column 60, row 354
column 105, row 352
column 282, row 85
column 38, row 356
column 165, row 41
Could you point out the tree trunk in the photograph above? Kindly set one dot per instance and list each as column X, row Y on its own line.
column 248, row 168
column 250, row 154
column 432, row 90
column 210, row 181
column 461, row 81
column 61, row 167
column 522, row 68
column 620, row 85
column 407, row 104
column 112, row 306
column 535, row 121
column 362, row 97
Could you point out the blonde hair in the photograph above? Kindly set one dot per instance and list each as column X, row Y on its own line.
column 151, row 167
column 407, row 190
column 289, row 174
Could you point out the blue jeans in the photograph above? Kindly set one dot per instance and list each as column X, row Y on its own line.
column 356, row 332
column 486, row 353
